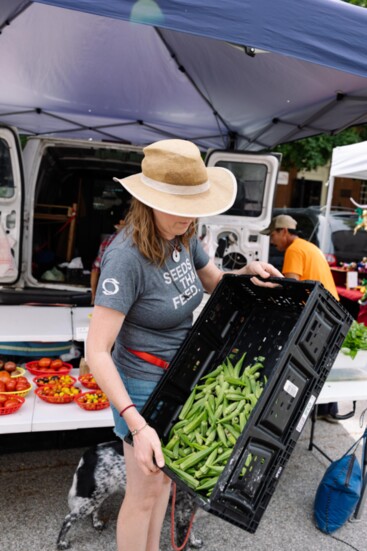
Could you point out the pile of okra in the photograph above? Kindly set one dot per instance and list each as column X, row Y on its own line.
column 210, row 422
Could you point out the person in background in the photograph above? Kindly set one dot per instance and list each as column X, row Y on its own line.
column 303, row 260
column 153, row 276
column 96, row 266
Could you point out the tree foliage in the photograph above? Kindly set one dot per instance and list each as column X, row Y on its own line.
column 314, row 152
column 361, row 3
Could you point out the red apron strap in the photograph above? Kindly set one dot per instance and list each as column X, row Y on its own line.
column 149, row 358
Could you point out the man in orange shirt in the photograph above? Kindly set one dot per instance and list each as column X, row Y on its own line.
column 302, row 260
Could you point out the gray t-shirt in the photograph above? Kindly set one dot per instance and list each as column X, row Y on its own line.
column 158, row 302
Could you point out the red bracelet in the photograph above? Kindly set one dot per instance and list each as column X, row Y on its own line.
column 127, row 407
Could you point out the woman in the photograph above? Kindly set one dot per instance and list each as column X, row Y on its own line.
column 152, row 278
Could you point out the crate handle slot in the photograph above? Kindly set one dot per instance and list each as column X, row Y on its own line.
column 236, row 500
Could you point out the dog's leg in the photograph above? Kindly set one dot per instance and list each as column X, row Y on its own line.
column 70, row 519
column 97, row 522
column 81, row 511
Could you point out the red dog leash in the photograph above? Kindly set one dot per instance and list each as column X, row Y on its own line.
column 173, row 543
column 150, row 358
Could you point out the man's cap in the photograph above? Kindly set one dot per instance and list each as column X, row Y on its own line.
column 279, row 222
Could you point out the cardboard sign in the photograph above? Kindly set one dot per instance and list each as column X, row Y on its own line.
column 352, row 280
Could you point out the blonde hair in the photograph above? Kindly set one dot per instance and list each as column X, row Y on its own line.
column 145, row 236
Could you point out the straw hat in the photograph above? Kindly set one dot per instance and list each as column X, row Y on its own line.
column 175, row 180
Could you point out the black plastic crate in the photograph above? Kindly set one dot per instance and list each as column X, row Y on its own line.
column 299, row 328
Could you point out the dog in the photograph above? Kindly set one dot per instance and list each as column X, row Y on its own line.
column 100, row 473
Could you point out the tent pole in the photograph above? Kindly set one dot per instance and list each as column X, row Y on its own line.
column 327, row 214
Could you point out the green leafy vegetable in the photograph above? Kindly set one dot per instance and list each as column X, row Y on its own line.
column 356, row 339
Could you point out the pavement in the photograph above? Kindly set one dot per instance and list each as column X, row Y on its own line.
column 35, row 478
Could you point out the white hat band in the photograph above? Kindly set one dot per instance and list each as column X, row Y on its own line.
column 175, row 189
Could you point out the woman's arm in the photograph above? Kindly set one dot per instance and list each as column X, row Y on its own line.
column 211, row 275
column 104, row 328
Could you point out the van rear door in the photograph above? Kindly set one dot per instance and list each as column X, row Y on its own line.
column 11, row 206
column 233, row 238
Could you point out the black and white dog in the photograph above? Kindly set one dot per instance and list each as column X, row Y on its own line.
column 100, row 473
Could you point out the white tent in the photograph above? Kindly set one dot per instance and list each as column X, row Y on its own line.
column 347, row 161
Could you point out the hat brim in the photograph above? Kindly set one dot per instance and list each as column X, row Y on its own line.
column 267, row 231
column 217, row 199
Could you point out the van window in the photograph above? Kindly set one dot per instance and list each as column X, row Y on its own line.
column 251, row 179
column 6, row 173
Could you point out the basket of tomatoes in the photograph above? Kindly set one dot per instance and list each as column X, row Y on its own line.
column 47, row 366
column 12, row 368
column 19, row 372
column 65, row 380
column 10, row 404
column 92, row 401
column 58, row 393
column 10, row 386
column 88, row 381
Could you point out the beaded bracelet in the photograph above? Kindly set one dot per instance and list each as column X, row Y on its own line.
column 136, row 431
column 127, row 407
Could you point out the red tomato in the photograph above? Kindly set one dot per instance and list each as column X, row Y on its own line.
column 21, row 380
column 44, row 362
column 4, row 376
column 11, row 402
column 3, row 400
column 10, row 385
column 21, row 386
column 2, row 387
column 56, row 364
column 10, row 367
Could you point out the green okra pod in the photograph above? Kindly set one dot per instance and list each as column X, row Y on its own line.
column 209, row 460
column 237, row 368
column 192, row 425
column 196, row 457
column 231, row 439
column 207, row 484
column 214, row 373
column 223, row 457
column 234, row 396
column 232, row 430
column 187, row 405
column 228, row 370
column 211, row 436
column 240, row 407
column 194, row 445
column 171, row 444
column 215, row 470
column 243, row 420
column 222, row 435
column 186, row 477
column 210, row 413
column 236, row 381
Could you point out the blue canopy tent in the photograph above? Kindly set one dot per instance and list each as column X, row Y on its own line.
column 239, row 74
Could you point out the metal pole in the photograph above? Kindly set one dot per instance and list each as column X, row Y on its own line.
column 327, row 214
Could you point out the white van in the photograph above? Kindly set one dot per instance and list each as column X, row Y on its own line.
column 58, row 201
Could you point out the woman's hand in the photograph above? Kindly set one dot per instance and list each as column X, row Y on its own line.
column 261, row 269
column 148, row 451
